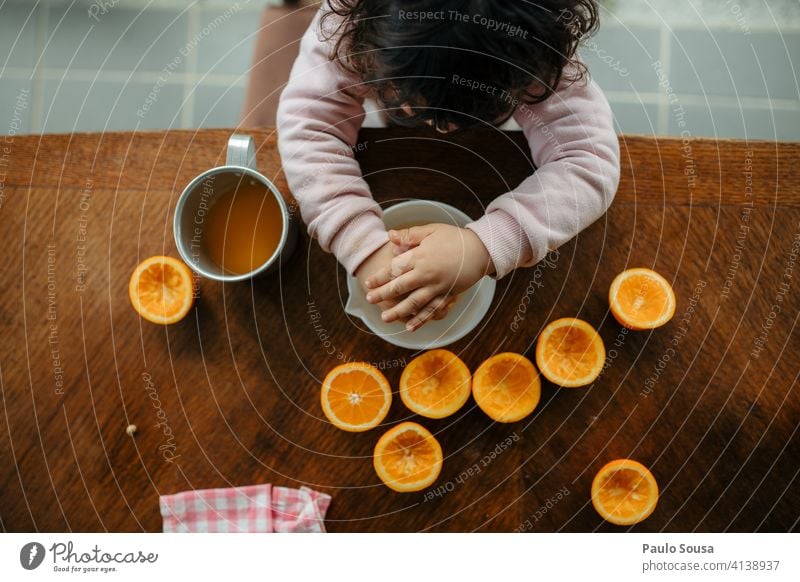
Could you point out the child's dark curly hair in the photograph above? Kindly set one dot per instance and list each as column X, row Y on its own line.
column 459, row 63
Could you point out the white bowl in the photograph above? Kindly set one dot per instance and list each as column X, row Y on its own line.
column 467, row 312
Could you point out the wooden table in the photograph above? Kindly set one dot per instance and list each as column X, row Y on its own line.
column 230, row 396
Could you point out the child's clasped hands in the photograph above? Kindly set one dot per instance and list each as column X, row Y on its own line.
column 416, row 276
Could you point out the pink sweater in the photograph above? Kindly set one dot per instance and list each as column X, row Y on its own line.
column 572, row 141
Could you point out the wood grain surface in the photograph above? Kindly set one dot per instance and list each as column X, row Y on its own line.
column 230, row 396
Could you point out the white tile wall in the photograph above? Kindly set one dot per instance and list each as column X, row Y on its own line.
column 733, row 65
column 141, row 64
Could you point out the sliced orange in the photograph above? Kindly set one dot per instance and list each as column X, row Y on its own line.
column 506, row 387
column 435, row 384
column 356, row 396
column 570, row 353
column 624, row 492
column 641, row 299
column 408, row 458
column 162, row 290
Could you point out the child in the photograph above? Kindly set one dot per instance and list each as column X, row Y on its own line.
column 450, row 64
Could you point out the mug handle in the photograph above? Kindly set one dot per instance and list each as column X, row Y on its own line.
column 241, row 151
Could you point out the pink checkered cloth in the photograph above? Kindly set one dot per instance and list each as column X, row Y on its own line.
column 251, row 509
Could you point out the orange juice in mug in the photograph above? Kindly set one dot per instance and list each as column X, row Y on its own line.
column 231, row 223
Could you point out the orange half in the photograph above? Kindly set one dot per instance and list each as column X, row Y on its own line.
column 435, row 384
column 624, row 492
column 507, row 387
column 161, row 290
column 570, row 353
column 641, row 299
column 408, row 458
column 355, row 396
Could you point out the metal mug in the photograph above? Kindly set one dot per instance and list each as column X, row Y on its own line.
column 197, row 198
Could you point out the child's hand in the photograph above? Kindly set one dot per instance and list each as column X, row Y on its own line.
column 381, row 260
column 436, row 262
column 377, row 261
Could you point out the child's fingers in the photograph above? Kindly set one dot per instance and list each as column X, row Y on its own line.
column 407, row 238
column 399, row 249
column 411, row 305
column 378, row 278
column 395, row 288
column 410, row 237
column 384, row 275
column 444, row 308
column 399, row 245
column 398, row 266
column 388, row 305
column 438, row 305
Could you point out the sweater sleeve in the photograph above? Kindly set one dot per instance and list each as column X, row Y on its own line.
column 319, row 116
column 576, row 152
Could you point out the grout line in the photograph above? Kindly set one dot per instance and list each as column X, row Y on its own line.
column 227, row 80
column 178, row 4
column 740, row 102
column 665, row 56
column 783, row 28
column 37, row 76
column 187, row 111
column 109, row 75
